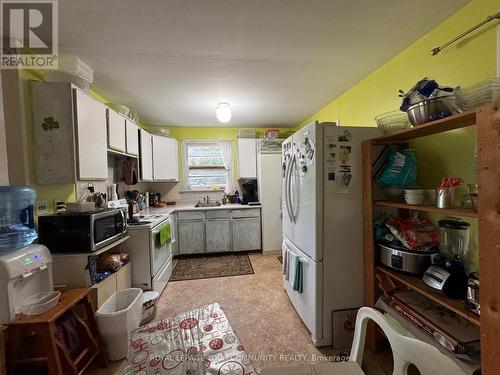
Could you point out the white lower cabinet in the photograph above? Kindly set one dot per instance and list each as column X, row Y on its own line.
column 218, row 234
column 246, row 234
column 191, row 238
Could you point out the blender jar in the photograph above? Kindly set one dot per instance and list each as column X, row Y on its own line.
column 454, row 238
column 17, row 221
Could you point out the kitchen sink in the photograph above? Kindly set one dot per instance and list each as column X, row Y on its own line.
column 201, row 204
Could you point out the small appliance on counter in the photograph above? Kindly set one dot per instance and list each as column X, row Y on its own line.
column 23, row 274
column 450, row 277
column 472, row 301
column 249, row 192
column 410, row 261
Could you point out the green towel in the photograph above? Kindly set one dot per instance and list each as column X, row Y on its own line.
column 297, row 278
column 164, row 234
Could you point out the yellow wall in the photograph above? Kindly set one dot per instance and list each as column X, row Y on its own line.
column 469, row 61
column 464, row 63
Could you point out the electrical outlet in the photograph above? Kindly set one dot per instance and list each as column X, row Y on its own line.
column 42, row 208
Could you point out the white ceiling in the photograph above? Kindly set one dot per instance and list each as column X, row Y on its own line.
column 275, row 61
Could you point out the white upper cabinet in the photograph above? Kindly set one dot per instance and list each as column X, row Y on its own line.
column 91, row 137
column 146, row 155
column 247, row 158
column 165, row 158
column 174, row 157
column 132, row 137
column 116, row 131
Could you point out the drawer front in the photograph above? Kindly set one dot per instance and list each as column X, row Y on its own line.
column 190, row 215
column 250, row 212
column 218, row 214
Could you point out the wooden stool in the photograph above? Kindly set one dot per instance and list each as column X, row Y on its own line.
column 46, row 347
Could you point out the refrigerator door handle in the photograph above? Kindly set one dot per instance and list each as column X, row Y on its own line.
column 289, row 188
column 287, row 195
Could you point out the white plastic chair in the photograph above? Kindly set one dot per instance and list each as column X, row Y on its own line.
column 406, row 351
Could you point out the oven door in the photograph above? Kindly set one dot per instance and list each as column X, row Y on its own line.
column 107, row 227
column 160, row 246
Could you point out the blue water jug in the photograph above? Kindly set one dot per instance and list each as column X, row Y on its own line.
column 17, row 219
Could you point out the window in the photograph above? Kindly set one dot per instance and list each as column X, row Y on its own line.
column 204, row 166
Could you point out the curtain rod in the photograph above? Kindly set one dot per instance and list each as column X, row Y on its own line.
column 436, row 50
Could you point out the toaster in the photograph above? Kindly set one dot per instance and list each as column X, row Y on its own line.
column 472, row 301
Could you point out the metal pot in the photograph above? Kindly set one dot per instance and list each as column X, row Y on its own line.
column 433, row 109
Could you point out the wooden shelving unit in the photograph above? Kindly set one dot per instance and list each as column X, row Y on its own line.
column 464, row 212
column 486, row 121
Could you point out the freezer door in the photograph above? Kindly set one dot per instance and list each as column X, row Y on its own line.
column 306, row 212
column 309, row 303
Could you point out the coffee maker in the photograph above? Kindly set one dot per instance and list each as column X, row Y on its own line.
column 249, row 191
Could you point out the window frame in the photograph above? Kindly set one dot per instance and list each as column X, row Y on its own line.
column 185, row 167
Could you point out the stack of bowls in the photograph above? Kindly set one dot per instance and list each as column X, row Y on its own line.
column 414, row 197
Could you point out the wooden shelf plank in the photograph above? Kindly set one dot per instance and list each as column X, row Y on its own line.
column 415, row 283
column 463, row 212
column 461, row 120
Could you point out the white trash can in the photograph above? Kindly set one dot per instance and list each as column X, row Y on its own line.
column 117, row 317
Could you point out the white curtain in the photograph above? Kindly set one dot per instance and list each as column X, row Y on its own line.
column 185, row 168
column 226, row 149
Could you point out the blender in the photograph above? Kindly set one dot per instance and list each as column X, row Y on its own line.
column 450, row 276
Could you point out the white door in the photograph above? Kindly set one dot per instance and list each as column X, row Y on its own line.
column 306, row 214
column 287, row 147
column 92, row 138
column 132, row 138
column 269, row 178
column 309, row 302
column 146, row 155
column 116, row 131
column 247, row 158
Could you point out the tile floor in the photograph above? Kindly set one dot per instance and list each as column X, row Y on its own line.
column 258, row 309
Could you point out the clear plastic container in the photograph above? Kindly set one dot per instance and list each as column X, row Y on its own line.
column 17, row 219
column 40, row 303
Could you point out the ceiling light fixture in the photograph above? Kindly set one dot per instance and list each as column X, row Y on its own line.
column 223, row 112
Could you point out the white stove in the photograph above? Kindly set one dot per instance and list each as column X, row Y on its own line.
column 150, row 257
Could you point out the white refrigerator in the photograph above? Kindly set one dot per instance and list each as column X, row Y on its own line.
column 323, row 221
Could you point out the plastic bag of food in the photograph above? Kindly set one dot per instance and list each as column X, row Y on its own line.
column 400, row 169
column 109, row 262
column 414, row 233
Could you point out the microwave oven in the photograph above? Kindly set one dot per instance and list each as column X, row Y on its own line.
column 81, row 232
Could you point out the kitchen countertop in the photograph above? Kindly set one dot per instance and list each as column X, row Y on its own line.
column 190, row 206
